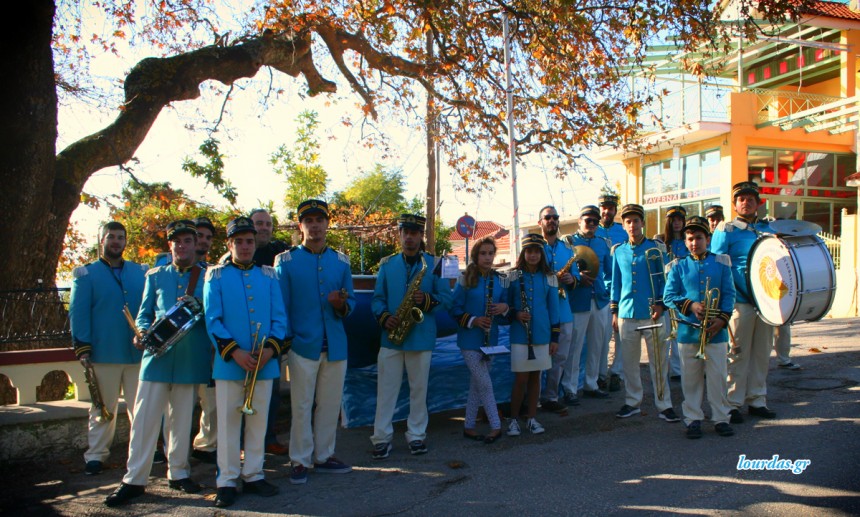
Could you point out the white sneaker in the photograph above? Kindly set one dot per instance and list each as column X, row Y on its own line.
column 534, row 426
column 513, row 427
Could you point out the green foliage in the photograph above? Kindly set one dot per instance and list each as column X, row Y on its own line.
column 305, row 177
column 212, row 170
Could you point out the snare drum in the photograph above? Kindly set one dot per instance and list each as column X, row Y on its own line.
column 173, row 326
column 791, row 278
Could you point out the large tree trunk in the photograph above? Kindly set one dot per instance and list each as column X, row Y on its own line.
column 31, row 233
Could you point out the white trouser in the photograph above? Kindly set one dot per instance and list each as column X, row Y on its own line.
column 390, row 364
column 631, row 351
column 592, row 324
column 207, row 437
column 314, row 428
column 617, row 367
column 698, row 372
column 747, row 379
column 782, row 343
column 229, row 396
column 561, row 371
column 156, row 399
column 112, row 378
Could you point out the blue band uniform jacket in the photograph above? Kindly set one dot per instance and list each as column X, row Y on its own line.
column 95, row 311
column 685, row 284
column 306, row 279
column 580, row 301
column 735, row 238
column 235, row 299
column 392, row 281
column 471, row 302
column 542, row 294
column 557, row 256
column 615, row 234
column 188, row 361
column 632, row 275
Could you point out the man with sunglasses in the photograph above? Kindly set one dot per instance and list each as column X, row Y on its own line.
column 589, row 304
column 558, row 253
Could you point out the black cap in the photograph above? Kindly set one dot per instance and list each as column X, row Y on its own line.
column 589, row 210
column 204, row 222
column 179, row 227
column 240, row 225
column 676, row 210
column 633, row 209
column 310, row 206
column 697, row 222
column 608, row 199
column 745, row 187
column 714, row 211
column 532, row 239
column 411, row 222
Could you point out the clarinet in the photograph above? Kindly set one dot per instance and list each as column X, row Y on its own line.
column 525, row 303
column 487, row 310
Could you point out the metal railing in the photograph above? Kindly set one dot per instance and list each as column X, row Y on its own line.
column 834, row 245
column 692, row 103
column 37, row 316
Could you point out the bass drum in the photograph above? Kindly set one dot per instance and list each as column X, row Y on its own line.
column 791, row 278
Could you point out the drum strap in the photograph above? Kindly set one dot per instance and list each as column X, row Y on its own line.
column 192, row 282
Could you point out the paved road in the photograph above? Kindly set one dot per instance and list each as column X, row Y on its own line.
column 587, row 463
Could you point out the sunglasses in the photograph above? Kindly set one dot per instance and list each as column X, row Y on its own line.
column 591, row 221
column 550, row 217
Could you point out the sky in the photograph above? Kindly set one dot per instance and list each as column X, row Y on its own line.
column 251, row 131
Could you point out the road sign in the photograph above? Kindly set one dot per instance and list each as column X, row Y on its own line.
column 466, row 226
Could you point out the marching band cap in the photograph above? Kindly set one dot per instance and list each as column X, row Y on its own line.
column 589, row 210
column 240, row 225
column 181, row 226
column 714, row 211
column 310, row 206
column 608, row 199
column 745, row 187
column 633, row 209
column 532, row 239
column 411, row 222
column 676, row 210
column 697, row 222
column 204, row 222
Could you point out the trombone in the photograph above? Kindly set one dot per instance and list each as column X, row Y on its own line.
column 247, row 407
column 712, row 300
column 655, row 255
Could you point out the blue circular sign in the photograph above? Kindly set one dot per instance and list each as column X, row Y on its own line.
column 466, row 226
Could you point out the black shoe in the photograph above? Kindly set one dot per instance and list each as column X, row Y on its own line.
column 694, row 430
column 669, row 415
column 187, row 485
column 762, row 411
column 210, row 457
column 261, row 487
column 93, row 467
column 553, row 406
column 595, row 394
column 724, row 429
column 614, row 383
column 158, row 458
column 602, row 384
column 124, row 494
column 225, row 497
column 736, row 417
column 571, row 399
column 473, row 436
column 491, row 438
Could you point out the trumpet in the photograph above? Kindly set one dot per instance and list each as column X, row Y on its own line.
column 96, row 393
column 247, row 407
column 712, row 300
column 656, row 273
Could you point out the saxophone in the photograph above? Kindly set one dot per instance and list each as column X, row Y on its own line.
column 561, row 292
column 408, row 314
column 96, row 393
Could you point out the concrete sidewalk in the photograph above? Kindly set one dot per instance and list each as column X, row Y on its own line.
column 587, row 463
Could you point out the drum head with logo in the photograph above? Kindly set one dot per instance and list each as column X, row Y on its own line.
column 773, row 279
